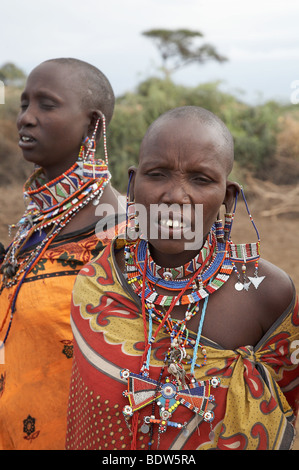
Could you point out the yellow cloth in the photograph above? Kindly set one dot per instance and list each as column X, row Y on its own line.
column 254, row 405
column 34, row 379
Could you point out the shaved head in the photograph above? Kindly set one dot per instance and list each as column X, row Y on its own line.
column 223, row 138
column 97, row 92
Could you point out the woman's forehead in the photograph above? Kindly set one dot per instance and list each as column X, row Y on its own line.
column 58, row 77
column 179, row 135
column 189, row 141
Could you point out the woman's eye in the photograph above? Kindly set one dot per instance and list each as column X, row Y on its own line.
column 202, row 179
column 156, row 173
column 43, row 105
column 47, row 105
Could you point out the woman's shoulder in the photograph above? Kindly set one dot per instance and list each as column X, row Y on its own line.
column 278, row 281
column 277, row 291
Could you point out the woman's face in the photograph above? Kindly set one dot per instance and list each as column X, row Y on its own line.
column 183, row 171
column 52, row 120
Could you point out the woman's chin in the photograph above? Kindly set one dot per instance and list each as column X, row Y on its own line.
column 170, row 253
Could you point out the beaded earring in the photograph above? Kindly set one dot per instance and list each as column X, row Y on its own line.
column 93, row 167
column 223, row 231
column 219, row 229
column 228, row 221
column 244, row 253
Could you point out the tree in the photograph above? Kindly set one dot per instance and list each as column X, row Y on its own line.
column 177, row 47
column 10, row 74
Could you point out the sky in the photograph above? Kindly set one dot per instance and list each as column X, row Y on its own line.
column 260, row 38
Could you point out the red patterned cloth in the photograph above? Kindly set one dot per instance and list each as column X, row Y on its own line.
column 255, row 403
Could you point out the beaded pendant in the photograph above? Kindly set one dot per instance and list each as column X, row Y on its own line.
column 142, row 391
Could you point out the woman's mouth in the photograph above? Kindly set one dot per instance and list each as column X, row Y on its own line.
column 156, row 223
column 26, row 142
column 172, row 223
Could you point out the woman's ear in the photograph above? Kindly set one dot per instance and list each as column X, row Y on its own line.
column 95, row 123
column 232, row 189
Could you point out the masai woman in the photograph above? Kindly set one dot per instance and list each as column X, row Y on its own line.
column 184, row 340
column 65, row 107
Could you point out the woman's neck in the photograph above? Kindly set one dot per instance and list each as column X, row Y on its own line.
column 51, row 174
column 166, row 260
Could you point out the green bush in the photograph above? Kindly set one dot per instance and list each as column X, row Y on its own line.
column 254, row 128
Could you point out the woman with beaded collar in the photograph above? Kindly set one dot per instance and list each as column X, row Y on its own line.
column 183, row 343
column 65, row 107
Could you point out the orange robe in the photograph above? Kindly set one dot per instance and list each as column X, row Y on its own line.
column 35, row 363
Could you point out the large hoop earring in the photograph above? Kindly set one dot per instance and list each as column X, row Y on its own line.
column 244, row 253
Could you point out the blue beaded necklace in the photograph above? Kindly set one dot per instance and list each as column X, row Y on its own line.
column 208, row 278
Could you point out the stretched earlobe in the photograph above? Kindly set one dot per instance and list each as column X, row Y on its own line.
column 130, row 191
column 132, row 227
column 232, row 191
column 95, row 123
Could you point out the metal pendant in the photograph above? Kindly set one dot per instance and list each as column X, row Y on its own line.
column 239, row 286
column 256, row 280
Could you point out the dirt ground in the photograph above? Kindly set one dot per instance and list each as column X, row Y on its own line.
column 279, row 234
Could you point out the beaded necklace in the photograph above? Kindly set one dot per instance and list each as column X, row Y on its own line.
column 179, row 388
column 216, row 268
column 50, row 208
column 49, row 196
column 178, row 272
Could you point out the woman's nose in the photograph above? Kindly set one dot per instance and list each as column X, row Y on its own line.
column 27, row 117
column 176, row 192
